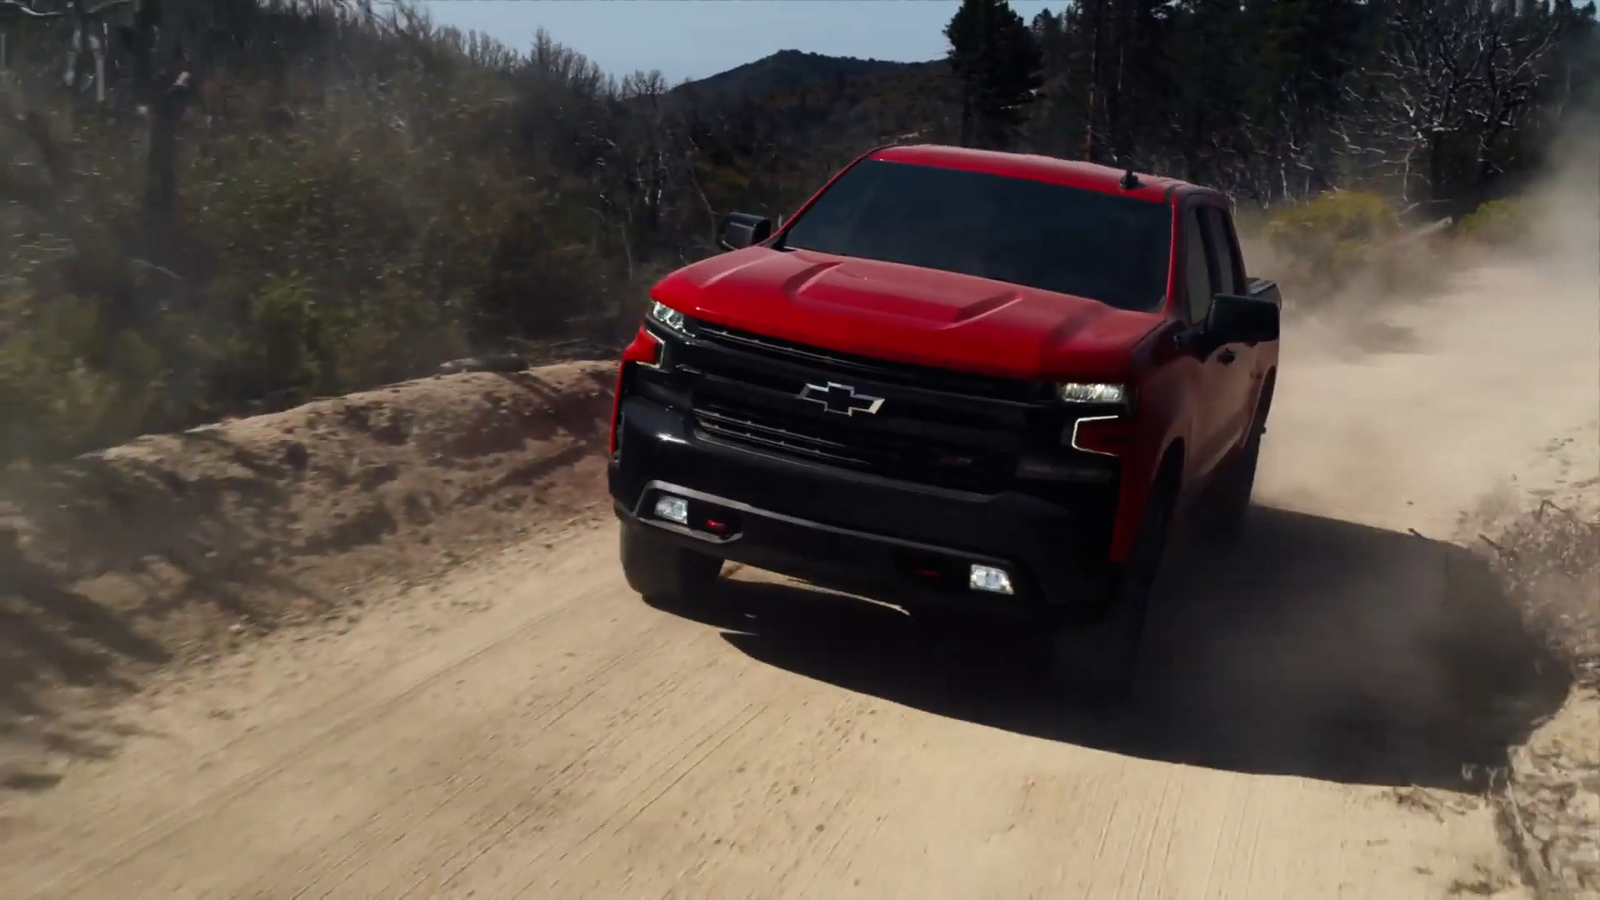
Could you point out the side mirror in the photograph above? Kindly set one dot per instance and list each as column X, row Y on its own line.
column 740, row 230
column 1235, row 319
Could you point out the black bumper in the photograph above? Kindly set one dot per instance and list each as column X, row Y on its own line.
column 900, row 542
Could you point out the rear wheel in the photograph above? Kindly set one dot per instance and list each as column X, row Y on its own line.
column 1096, row 661
column 1234, row 492
column 660, row 571
column 1231, row 504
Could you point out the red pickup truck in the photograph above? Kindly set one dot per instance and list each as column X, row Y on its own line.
column 954, row 380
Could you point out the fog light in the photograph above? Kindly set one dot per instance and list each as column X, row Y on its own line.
column 673, row 509
column 990, row 579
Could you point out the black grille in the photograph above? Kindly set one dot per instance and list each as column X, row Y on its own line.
column 934, row 427
column 848, row 445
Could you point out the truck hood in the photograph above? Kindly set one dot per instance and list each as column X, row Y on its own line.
column 909, row 314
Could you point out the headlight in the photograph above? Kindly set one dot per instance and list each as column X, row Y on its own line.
column 1091, row 393
column 667, row 317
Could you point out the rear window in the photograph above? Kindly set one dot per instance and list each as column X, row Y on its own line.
column 1106, row 247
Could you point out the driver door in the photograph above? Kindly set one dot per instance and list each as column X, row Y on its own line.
column 1211, row 426
column 1237, row 382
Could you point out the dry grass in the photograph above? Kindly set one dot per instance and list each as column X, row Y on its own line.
column 1549, row 800
column 1550, row 560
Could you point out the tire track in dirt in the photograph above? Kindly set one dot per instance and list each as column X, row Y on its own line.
column 496, row 734
column 643, row 811
column 495, row 750
column 331, row 720
column 445, row 858
column 192, row 823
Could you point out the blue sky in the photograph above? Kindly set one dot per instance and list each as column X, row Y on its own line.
column 696, row 38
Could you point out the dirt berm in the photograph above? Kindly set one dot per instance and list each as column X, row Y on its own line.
column 175, row 547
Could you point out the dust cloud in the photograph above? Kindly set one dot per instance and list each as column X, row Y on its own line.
column 1358, row 621
column 1414, row 404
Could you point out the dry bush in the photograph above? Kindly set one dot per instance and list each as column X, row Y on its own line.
column 1503, row 222
column 1315, row 230
column 1343, row 248
column 357, row 203
column 1550, row 559
column 1548, row 799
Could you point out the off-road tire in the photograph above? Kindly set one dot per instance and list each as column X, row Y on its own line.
column 662, row 572
column 1231, row 503
column 1096, row 662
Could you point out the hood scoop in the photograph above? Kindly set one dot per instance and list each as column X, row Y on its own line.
column 908, row 295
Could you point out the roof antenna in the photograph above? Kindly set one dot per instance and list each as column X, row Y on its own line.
column 1130, row 181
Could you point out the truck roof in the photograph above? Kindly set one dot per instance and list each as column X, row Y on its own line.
column 1065, row 172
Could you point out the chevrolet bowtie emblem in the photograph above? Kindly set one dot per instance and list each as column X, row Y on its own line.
column 841, row 399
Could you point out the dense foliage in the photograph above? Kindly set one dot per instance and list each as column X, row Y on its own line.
column 213, row 207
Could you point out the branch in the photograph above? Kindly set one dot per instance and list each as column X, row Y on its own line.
column 30, row 12
column 24, row 9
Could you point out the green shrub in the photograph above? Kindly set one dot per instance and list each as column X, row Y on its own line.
column 1326, row 229
column 52, row 401
column 1329, row 242
column 1497, row 222
column 279, row 353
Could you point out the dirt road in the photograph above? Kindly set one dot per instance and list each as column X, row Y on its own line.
column 530, row 728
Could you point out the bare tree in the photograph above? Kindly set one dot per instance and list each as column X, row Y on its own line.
column 89, row 43
column 162, row 85
column 1286, row 153
column 652, row 154
column 1451, row 74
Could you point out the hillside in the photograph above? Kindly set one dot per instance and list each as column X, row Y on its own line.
column 788, row 70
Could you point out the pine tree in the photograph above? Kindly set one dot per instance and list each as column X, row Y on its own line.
column 997, row 61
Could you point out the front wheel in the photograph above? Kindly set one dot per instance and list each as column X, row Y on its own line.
column 660, row 571
column 1097, row 661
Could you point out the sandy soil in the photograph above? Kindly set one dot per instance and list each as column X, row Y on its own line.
column 1319, row 713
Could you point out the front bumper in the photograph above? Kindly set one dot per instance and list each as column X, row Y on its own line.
column 888, row 539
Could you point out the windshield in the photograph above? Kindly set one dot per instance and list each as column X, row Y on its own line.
column 1090, row 244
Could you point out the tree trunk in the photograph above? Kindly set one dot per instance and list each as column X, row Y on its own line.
column 1091, row 123
column 161, row 178
column 1436, row 167
column 1116, row 128
column 966, row 116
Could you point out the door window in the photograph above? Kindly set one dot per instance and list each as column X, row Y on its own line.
column 1224, row 260
column 1199, row 286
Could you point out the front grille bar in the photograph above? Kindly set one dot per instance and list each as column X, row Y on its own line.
column 905, row 374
